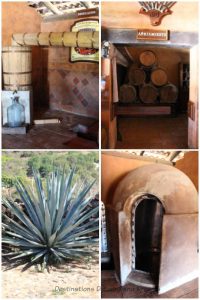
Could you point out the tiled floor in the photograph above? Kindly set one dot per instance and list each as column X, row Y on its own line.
column 153, row 133
column 52, row 136
column 110, row 288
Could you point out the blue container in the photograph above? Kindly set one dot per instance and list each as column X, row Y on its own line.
column 16, row 113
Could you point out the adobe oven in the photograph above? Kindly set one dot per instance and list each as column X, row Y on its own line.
column 153, row 228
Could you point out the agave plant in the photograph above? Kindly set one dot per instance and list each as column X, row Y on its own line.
column 55, row 224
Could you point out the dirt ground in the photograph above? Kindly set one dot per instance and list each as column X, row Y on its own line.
column 69, row 281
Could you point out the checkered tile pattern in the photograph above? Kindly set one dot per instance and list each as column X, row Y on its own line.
column 74, row 91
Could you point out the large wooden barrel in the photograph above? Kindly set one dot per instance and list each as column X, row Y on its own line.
column 17, row 68
column 159, row 77
column 168, row 93
column 148, row 93
column 148, row 58
column 136, row 75
column 128, row 94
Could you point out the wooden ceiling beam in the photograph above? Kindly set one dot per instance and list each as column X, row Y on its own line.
column 87, row 4
column 53, row 8
column 173, row 155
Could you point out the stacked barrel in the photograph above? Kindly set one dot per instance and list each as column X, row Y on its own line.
column 148, row 83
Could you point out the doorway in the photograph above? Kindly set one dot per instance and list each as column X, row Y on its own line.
column 147, row 218
column 157, row 105
column 158, row 124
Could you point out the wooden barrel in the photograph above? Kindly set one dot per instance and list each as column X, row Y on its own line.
column 136, row 75
column 159, row 77
column 17, row 68
column 148, row 93
column 148, row 58
column 168, row 93
column 128, row 94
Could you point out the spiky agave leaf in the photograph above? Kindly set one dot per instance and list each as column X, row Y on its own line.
column 55, row 225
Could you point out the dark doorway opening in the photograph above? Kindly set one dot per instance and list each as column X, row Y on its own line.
column 148, row 232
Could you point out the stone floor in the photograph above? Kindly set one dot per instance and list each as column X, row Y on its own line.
column 153, row 133
column 52, row 136
column 110, row 288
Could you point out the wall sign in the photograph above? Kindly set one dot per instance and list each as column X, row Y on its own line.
column 156, row 10
column 87, row 13
column 79, row 54
column 152, row 35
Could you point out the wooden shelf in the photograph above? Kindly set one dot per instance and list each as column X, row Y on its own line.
column 139, row 109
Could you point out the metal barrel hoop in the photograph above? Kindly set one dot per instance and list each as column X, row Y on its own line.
column 24, row 39
column 93, row 39
column 16, row 41
column 77, row 33
column 50, row 33
column 17, row 73
column 38, row 36
column 63, row 34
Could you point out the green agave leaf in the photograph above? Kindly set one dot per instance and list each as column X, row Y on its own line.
column 51, row 194
column 62, row 200
column 73, row 254
column 70, row 198
column 67, row 229
column 17, row 242
column 52, row 239
column 82, row 209
column 13, row 264
column 40, row 192
column 34, row 259
column 85, row 203
column 57, row 254
column 90, row 225
column 48, row 224
column 11, row 253
column 41, row 253
column 84, row 232
column 23, row 238
column 80, row 252
column 87, row 215
column 77, row 243
column 26, row 253
column 28, row 203
column 74, row 207
column 64, row 255
column 23, row 218
column 15, row 227
column 37, row 209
